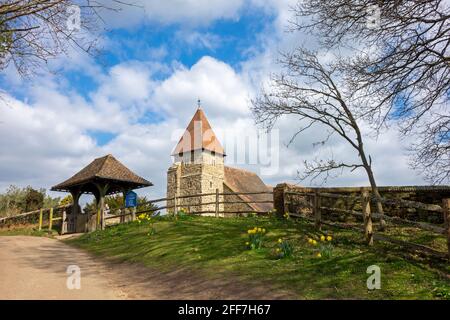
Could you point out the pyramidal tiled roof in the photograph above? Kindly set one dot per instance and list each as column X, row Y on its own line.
column 198, row 136
column 108, row 168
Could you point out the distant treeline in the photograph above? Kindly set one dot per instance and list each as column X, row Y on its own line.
column 18, row 200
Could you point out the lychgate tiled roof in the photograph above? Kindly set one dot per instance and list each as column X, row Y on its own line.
column 104, row 168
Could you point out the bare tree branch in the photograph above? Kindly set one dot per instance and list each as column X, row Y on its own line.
column 401, row 71
column 34, row 31
column 309, row 91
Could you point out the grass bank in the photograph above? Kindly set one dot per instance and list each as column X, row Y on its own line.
column 218, row 246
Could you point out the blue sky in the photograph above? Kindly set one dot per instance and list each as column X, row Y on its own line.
column 135, row 99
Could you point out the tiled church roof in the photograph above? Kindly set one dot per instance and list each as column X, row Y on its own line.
column 198, row 136
column 239, row 180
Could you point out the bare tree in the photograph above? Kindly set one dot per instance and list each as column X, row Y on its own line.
column 312, row 92
column 431, row 151
column 34, row 31
column 401, row 67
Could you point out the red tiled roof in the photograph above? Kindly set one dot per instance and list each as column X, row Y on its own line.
column 106, row 168
column 198, row 136
column 239, row 180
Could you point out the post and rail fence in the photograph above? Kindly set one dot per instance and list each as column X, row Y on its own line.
column 191, row 207
column 44, row 217
column 307, row 203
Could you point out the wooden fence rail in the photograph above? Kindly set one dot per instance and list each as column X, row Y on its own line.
column 40, row 213
column 176, row 206
column 368, row 217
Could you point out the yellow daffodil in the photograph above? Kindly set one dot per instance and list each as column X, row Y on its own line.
column 319, row 255
column 310, row 241
column 314, row 242
column 280, row 240
column 259, row 230
column 263, row 230
column 247, row 243
column 322, row 238
column 329, row 238
column 278, row 249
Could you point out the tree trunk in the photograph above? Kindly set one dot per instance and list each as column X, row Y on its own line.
column 374, row 188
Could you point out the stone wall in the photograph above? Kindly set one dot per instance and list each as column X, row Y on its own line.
column 173, row 184
column 196, row 173
column 426, row 194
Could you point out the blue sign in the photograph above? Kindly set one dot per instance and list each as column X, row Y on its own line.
column 131, row 199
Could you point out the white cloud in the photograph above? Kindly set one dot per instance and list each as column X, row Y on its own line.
column 45, row 141
column 222, row 91
column 187, row 12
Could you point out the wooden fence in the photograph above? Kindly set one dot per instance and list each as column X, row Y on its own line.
column 44, row 217
column 123, row 212
column 310, row 207
column 310, row 201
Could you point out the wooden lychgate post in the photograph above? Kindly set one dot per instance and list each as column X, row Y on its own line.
column 64, row 222
column 317, row 210
column 446, row 211
column 367, row 215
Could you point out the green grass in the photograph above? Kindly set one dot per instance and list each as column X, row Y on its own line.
column 28, row 231
column 217, row 247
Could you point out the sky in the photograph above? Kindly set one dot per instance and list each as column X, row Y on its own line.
column 135, row 99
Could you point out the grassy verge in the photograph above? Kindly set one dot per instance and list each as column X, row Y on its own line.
column 27, row 230
column 218, row 246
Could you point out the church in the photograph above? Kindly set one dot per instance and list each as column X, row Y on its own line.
column 198, row 168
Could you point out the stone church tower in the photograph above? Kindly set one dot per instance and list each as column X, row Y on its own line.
column 198, row 168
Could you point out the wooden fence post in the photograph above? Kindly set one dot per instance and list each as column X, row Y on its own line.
column 317, row 211
column 41, row 212
column 50, row 220
column 446, row 210
column 133, row 213
column 217, row 203
column 367, row 215
column 122, row 218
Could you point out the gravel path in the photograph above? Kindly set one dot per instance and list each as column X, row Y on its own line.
column 35, row 268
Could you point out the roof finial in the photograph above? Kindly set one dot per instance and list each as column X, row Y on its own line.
column 198, row 103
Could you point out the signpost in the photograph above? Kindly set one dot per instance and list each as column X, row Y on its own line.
column 131, row 199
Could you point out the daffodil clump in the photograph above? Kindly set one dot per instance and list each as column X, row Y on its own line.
column 256, row 237
column 144, row 217
column 286, row 215
column 324, row 246
column 182, row 212
column 284, row 249
column 272, row 213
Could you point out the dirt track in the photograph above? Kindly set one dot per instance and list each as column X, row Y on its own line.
column 35, row 268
